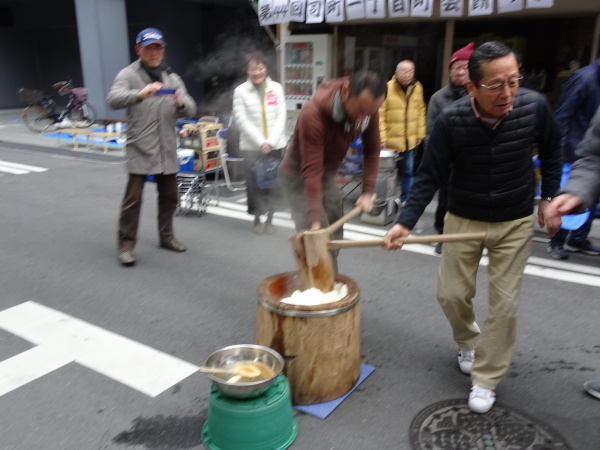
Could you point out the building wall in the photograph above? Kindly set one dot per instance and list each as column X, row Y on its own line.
column 39, row 49
column 40, row 44
column 548, row 45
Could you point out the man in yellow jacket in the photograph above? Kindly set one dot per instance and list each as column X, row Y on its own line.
column 402, row 121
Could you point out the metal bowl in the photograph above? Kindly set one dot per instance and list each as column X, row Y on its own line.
column 244, row 352
column 387, row 159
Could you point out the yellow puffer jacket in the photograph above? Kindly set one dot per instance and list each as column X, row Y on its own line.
column 402, row 116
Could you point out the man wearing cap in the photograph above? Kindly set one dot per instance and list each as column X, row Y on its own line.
column 402, row 121
column 151, row 138
column 457, row 88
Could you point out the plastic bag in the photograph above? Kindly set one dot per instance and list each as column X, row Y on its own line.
column 265, row 171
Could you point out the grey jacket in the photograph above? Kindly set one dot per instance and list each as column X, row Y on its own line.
column 438, row 101
column 584, row 178
column 152, row 137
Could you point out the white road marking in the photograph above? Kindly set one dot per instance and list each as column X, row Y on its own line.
column 539, row 267
column 19, row 169
column 29, row 366
column 129, row 362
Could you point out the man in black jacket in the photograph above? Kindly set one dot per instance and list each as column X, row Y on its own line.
column 482, row 145
column 457, row 88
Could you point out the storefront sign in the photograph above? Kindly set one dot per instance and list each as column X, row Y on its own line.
column 355, row 9
column 540, row 3
column 375, row 9
column 505, row 6
column 315, row 11
column 421, row 8
column 481, row 7
column 334, row 11
column 451, row 8
column 297, row 10
column 398, row 8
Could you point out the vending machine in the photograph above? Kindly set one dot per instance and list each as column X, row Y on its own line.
column 306, row 61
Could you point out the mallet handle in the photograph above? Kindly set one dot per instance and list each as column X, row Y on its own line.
column 342, row 220
column 427, row 239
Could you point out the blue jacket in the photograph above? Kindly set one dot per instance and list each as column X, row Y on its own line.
column 578, row 102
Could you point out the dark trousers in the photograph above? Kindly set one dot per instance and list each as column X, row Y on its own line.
column 441, row 209
column 168, row 197
column 293, row 190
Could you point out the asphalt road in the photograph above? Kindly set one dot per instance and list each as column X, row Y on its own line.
column 59, row 270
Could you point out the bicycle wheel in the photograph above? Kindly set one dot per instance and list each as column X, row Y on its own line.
column 83, row 117
column 37, row 118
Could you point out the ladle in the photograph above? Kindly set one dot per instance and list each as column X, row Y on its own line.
column 242, row 370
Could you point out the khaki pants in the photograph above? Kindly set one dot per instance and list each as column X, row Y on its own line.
column 168, row 197
column 509, row 247
column 293, row 191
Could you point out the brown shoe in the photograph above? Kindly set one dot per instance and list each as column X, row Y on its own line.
column 127, row 258
column 269, row 228
column 258, row 228
column 173, row 245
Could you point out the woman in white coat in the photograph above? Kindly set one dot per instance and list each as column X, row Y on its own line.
column 260, row 114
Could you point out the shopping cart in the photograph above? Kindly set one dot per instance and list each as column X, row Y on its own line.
column 193, row 195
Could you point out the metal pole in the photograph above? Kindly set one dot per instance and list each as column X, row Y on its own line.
column 595, row 40
column 448, row 44
column 334, row 50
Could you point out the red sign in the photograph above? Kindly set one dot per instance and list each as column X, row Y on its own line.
column 271, row 98
column 211, row 142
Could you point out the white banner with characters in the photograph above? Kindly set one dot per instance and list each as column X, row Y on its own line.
column 272, row 12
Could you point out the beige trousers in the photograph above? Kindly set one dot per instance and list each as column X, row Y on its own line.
column 509, row 246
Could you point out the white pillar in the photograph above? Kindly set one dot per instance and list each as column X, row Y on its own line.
column 104, row 48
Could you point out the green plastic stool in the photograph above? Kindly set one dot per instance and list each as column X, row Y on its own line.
column 262, row 423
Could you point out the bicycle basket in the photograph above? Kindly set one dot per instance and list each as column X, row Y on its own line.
column 63, row 87
column 79, row 94
column 30, row 96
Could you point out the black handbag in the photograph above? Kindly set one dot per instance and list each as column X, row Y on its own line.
column 265, row 171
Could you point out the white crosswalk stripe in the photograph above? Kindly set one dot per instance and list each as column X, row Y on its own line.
column 62, row 339
column 19, row 169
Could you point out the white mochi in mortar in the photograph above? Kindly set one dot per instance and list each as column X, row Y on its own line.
column 314, row 296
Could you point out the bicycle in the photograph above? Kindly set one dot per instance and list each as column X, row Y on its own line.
column 42, row 111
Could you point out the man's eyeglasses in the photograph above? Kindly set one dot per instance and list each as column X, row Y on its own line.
column 514, row 83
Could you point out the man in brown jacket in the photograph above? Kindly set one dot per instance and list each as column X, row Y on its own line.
column 340, row 111
column 154, row 96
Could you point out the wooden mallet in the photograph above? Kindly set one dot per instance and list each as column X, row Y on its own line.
column 312, row 250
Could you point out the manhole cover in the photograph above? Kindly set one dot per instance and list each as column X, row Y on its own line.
column 450, row 425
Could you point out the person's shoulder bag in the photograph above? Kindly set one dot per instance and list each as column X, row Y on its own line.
column 265, row 171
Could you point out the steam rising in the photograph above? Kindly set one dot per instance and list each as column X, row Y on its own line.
column 222, row 69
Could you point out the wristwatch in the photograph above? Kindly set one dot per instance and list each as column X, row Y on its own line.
column 548, row 199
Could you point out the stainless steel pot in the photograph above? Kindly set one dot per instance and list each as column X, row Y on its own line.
column 387, row 159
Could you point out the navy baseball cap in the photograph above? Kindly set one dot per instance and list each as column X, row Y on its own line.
column 150, row 36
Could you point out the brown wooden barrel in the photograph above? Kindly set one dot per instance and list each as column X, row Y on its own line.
column 320, row 344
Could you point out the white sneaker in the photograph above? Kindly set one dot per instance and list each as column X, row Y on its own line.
column 465, row 360
column 593, row 387
column 481, row 399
